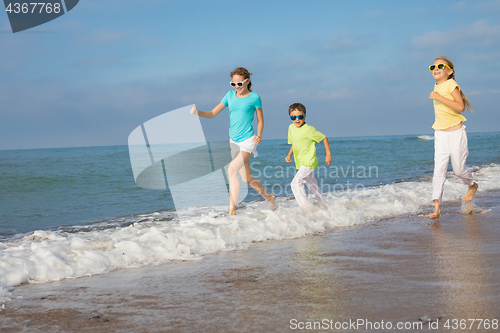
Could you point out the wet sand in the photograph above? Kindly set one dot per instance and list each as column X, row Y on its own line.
column 395, row 270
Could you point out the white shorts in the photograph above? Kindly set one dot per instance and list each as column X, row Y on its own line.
column 249, row 145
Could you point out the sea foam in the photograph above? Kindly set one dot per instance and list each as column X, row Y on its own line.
column 45, row 255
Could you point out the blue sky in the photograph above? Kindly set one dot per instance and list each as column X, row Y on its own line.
column 91, row 76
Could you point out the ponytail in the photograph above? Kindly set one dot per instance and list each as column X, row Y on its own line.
column 466, row 102
column 452, row 76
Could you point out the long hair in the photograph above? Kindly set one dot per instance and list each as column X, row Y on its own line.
column 452, row 76
column 243, row 72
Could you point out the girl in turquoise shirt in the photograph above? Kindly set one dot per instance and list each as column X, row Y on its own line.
column 243, row 103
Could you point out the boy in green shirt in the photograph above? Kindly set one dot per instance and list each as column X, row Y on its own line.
column 303, row 138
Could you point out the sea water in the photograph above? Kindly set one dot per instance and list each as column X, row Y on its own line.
column 73, row 212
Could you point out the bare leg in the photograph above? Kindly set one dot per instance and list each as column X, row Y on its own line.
column 241, row 164
column 437, row 211
column 257, row 186
column 470, row 193
column 246, row 176
column 234, row 182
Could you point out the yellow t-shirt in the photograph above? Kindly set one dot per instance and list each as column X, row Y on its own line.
column 446, row 117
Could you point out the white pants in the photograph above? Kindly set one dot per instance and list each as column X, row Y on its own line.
column 450, row 145
column 305, row 176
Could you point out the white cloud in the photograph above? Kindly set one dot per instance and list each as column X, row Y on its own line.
column 321, row 95
column 289, row 62
column 341, row 42
column 374, row 13
column 148, row 40
column 6, row 27
column 487, row 92
column 64, row 25
column 478, row 33
column 459, row 5
column 15, row 51
column 481, row 57
column 104, row 60
column 98, row 37
column 488, row 5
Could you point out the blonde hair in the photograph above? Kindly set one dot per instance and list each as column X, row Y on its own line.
column 242, row 72
column 452, row 76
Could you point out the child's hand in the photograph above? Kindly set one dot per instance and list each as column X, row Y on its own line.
column 288, row 159
column 328, row 159
column 194, row 110
column 257, row 139
column 434, row 95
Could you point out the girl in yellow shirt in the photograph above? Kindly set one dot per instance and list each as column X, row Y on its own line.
column 450, row 138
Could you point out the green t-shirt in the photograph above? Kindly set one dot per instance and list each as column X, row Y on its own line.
column 303, row 139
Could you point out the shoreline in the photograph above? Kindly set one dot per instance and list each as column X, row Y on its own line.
column 397, row 270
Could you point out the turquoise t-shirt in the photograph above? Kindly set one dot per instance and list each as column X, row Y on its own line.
column 241, row 112
column 303, row 140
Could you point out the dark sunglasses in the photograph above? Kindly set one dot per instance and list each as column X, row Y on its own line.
column 301, row 117
column 439, row 66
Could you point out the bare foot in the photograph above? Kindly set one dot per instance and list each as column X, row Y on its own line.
column 232, row 211
column 471, row 192
column 435, row 216
column 437, row 211
column 270, row 202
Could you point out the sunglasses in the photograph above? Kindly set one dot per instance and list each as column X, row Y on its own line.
column 301, row 117
column 439, row 66
column 239, row 84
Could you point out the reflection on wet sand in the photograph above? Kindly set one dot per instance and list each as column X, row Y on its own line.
column 463, row 266
column 318, row 282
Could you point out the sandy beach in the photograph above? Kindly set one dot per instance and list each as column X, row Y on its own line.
column 390, row 271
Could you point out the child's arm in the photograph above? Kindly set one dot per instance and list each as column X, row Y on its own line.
column 208, row 114
column 328, row 157
column 260, row 125
column 457, row 104
column 288, row 157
